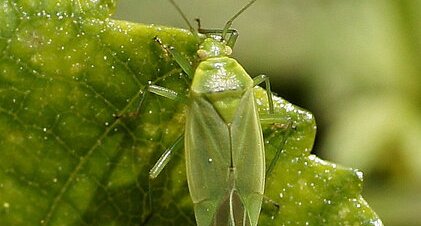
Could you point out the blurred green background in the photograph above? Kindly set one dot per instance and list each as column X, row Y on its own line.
column 355, row 64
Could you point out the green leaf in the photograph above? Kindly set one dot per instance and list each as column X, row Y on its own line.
column 72, row 154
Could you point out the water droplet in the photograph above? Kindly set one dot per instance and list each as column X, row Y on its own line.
column 210, row 160
column 359, row 174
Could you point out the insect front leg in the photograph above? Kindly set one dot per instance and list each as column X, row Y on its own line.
column 230, row 41
column 180, row 59
column 264, row 78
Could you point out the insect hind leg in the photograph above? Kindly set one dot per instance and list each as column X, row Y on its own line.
column 163, row 160
column 282, row 127
column 264, row 78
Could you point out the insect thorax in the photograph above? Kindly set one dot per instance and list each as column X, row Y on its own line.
column 223, row 81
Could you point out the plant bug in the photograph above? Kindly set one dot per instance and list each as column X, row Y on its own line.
column 223, row 140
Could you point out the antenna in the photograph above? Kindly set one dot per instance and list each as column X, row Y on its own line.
column 184, row 17
column 229, row 22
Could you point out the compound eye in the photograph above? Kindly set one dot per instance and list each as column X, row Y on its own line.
column 228, row 50
column 202, row 54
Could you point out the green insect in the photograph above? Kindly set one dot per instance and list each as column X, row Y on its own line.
column 223, row 138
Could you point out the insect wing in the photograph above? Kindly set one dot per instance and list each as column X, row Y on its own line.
column 210, row 146
column 207, row 146
column 248, row 156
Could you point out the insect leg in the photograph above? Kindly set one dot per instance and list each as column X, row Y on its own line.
column 264, row 78
column 232, row 38
column 165, row 158
column 168, row 153
column 233, row 34
column 161, row 163
column 282, row 127
column 180, row 59
column 158, row 90
column 167, row 93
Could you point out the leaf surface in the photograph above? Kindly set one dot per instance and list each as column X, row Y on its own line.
column 71, row 152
